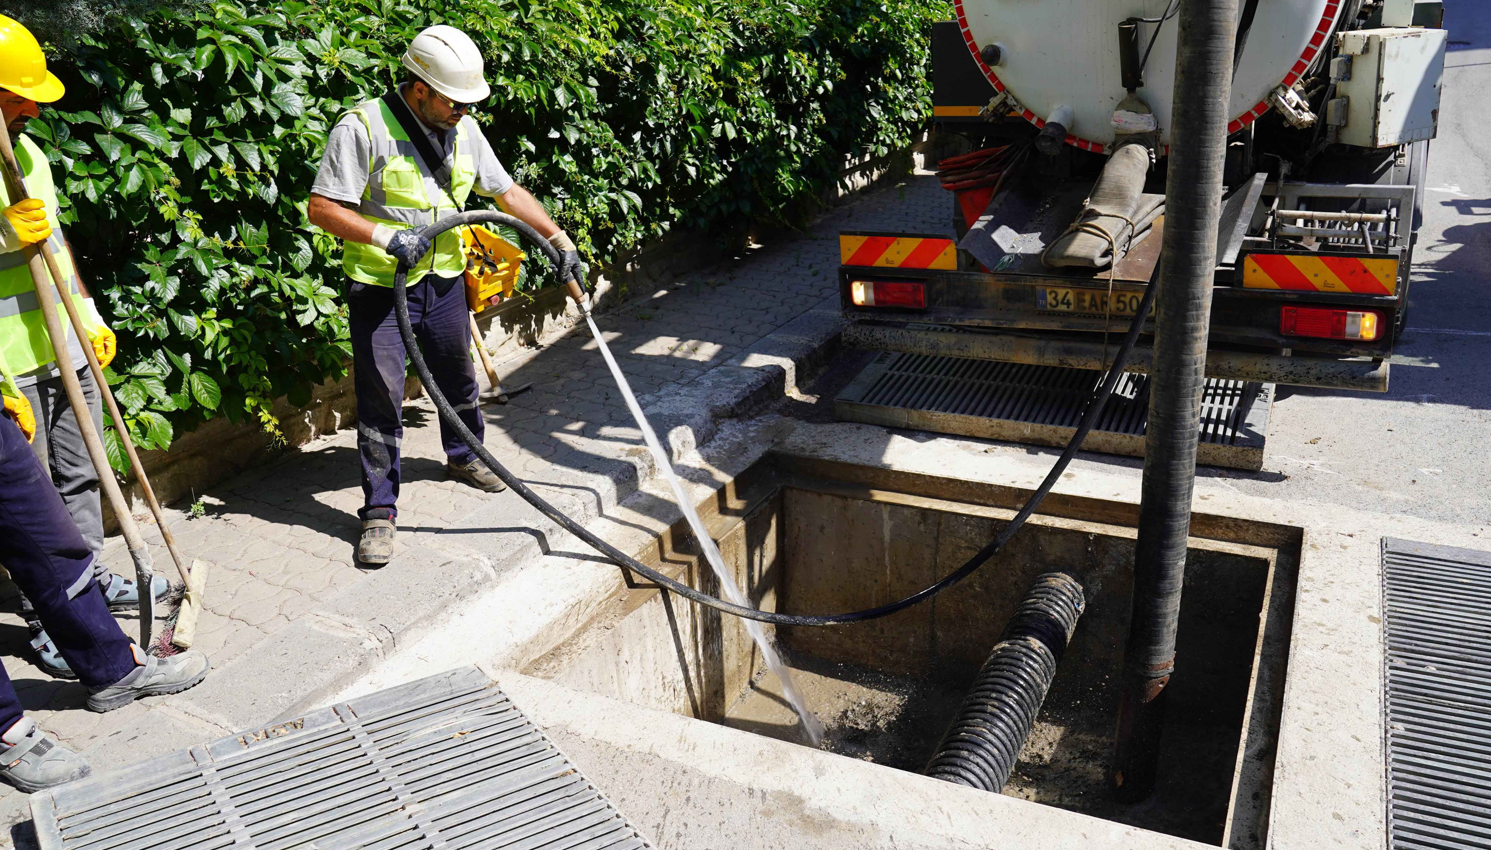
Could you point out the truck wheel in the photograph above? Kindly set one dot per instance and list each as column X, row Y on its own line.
column 1414, row 172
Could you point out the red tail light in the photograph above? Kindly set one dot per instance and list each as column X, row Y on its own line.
column 884, row 293
column 1324, row 323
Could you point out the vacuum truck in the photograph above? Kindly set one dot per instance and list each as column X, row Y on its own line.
column 1058, row 203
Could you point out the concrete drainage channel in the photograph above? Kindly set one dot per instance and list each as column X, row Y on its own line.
column 809, row 535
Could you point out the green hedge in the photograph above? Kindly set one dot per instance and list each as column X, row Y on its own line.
column 190, row 140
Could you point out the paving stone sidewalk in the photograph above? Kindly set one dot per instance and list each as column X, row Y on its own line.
column 285, row 586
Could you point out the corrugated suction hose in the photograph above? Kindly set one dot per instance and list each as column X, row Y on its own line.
column 980, row 748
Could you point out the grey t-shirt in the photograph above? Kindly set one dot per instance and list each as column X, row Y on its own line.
column 344, row 167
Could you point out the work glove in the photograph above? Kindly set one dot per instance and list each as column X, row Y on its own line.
column 571, row 267
column 19, row 409
column 23, row 224
column 105, row 344
column 405, row 245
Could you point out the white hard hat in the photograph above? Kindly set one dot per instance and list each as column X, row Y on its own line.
column 447, row 59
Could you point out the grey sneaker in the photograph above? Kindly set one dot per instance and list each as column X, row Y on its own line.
column 476, row 473
column 36, row 762
column 153, row 677
column 123, row 594
column 47, row 656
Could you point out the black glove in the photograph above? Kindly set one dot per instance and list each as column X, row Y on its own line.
column 408, row 246
column 572, row 268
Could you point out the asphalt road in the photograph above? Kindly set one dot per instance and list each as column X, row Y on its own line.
column 1424, row 447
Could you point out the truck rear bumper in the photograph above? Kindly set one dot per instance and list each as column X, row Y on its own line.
column 1363, row 375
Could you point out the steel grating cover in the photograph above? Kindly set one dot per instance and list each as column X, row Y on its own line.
column 1043, row 404
column 445, row 762
column 1437, row 672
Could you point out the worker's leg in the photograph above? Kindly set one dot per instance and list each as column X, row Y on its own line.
column 63, row 452
column 378, row 367
column 51, row 563
column 49, row 560
column 65, row 455
column 444, row 335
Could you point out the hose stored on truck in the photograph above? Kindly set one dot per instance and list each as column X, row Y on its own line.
column 448, row 414
column 980, row 748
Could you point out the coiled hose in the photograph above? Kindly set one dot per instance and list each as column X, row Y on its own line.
column 447, row 413
column 980, row 748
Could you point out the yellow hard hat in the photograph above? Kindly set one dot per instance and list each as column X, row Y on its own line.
column 23, row 68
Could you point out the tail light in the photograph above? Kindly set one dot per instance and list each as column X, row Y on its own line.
column 885, row 293
column 1324, row 323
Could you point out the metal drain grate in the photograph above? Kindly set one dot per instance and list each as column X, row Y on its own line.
column 1437, row 667
column 1043, row 404
column 446, row 762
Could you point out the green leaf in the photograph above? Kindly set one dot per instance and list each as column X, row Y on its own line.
column 132, row 395
column 114, row 451
column 133, row 179
column 185, row 323
column 157, row 429
column 196, row 153
column 181, row 116
column 286, row 99
column 134, row 98
column 300, row 258
column 205, row 390
column 169, row 286
column 250, row 153
column 110, row 145
column 153, row 136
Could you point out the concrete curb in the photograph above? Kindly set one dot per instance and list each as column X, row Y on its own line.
column 327, row 649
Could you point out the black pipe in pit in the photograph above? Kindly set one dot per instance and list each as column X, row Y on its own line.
column 981, row 746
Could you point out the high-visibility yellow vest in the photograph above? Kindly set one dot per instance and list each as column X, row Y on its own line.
column 24, row 344
column 401, row 194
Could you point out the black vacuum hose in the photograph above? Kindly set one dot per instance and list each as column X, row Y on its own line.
column 981, row 746
column 401, row 313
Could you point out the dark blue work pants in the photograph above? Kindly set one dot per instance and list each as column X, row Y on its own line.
column 443, row 330
column 52, row 564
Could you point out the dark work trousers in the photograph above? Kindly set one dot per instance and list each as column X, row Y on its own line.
column 443, row 330
column 59, row 446
column 51, row 563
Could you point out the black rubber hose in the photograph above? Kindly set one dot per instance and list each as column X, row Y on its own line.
column 1193, row 205
column 401, row 314
column 982, row 744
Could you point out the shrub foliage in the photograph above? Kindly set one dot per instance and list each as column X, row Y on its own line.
column 190, row 137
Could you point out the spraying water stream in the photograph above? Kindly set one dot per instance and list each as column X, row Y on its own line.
column 732, row 592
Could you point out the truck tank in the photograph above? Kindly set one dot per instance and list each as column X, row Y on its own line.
column 1061, row 60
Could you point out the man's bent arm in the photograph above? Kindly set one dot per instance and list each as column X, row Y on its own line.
column 336, row 219
column 520, row 204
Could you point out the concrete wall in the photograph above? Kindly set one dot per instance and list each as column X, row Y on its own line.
column 669, row 654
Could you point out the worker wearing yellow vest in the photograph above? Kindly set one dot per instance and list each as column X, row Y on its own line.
column 40, row 540
column 29, row 380
column 375, row 188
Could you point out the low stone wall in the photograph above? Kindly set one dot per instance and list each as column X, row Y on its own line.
column 220, row 449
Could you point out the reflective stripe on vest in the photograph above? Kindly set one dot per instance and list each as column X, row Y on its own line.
column 399, row 193
column 24, row 344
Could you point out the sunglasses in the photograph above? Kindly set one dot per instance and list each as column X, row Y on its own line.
column 454, row 106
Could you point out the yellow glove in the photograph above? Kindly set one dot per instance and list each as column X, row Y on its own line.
column 28, row 221
column 105, row 344
column 19, row 409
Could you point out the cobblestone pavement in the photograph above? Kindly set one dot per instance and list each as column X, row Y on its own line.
column 281, row 538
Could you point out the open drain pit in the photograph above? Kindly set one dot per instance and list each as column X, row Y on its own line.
column 805, row 535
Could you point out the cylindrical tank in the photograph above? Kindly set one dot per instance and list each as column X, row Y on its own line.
column 1060, row 55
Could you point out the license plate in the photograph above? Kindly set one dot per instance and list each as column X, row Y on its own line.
column 1088, row 302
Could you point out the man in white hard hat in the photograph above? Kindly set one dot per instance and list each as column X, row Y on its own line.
column 394, row 165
